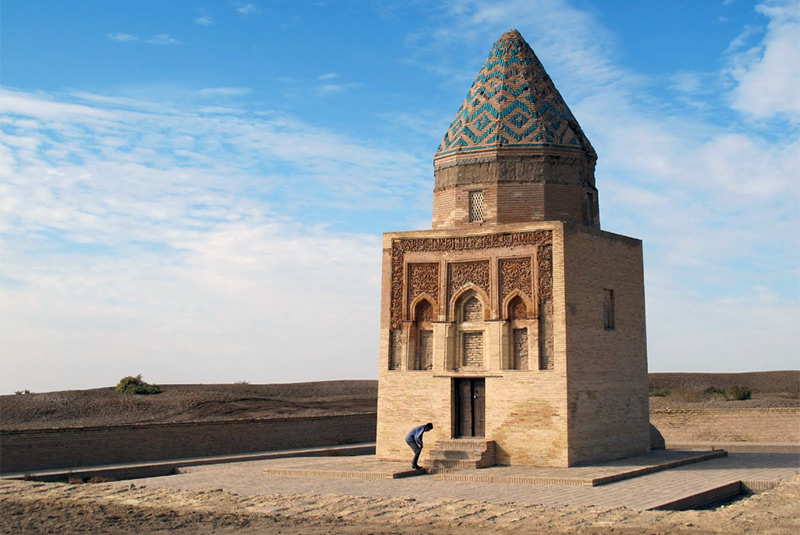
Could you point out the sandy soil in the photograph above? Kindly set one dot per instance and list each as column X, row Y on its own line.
column 770, row 390
column 183, row 403
column 33, row 507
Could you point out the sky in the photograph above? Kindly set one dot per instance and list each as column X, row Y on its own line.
column 196, row 191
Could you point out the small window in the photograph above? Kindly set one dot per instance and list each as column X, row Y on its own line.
column 475, row 206
column 608, row 310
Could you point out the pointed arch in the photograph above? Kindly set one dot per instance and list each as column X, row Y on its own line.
column 507, row 303
column 423, row 313
column 413, row 307
column 455, row 301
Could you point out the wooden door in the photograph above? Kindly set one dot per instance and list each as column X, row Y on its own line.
column 470, row 397
column 478, row 407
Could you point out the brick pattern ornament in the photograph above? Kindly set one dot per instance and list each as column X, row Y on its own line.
column 473, row 350
column 513, row 103
column 473, row 311
column 517, row 309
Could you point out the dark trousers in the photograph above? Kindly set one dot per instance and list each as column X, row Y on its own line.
column 413, row 445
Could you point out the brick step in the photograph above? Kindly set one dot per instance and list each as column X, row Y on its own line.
column 452, row 455
column 464, row 444
column 439, row 465
column 459, row 454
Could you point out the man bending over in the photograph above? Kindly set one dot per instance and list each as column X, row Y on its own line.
column 414, row 441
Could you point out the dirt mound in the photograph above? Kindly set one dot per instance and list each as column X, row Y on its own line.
column 786, row 381
column 182, row 403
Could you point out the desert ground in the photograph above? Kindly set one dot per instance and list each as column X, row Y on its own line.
column 123, row 508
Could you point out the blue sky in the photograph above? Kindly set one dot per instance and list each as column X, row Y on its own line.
column 196, row 191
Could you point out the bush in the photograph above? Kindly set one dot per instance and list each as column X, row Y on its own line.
column 740, row 392
column 660, row 392
column 135, row 385
column 714, row 391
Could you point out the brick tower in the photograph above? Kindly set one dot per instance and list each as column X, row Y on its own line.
column 516, row 325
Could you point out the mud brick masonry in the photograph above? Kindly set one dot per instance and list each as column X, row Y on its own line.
column 515, row 324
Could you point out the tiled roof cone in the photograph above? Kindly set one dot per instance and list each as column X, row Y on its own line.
column 515, row 140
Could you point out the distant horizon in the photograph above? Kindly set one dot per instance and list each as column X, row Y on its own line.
column 199, row 193
column 21, row 391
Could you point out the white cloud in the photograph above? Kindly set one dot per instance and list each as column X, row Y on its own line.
column 768, row 76
column 204, row 20
column 329, row 86
column 245, row 9
column 163, row 39
column 215, row 92
column 743, row 38
column 122, row 37
column 141, row 241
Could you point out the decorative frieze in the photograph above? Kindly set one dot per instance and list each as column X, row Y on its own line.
column 545, row 265
column 402, row 246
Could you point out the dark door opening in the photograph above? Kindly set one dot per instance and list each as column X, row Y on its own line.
column 470, row 399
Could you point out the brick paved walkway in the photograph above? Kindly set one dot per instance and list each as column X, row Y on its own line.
column 641, row 493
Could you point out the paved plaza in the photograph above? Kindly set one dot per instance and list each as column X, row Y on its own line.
column 366, row 477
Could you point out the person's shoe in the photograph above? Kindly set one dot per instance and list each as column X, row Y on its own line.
column 416, row 467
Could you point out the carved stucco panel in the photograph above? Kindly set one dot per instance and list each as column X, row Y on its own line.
column 464, row 273
column 545, row 263
column 515, row 274
column 422, row 279
column 402, row 246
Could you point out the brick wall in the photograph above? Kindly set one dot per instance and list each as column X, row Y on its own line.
column 539, row 185
column 728, row 425
column 91, row 446
column 606, row 369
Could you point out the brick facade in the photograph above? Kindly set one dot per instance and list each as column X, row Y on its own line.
column 584, row 399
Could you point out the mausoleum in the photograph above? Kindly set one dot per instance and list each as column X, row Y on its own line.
column 515, row 325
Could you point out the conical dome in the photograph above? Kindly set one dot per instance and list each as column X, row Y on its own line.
column 513, row 103
column 514, row 149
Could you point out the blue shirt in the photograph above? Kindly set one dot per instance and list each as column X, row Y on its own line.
column 415, row 435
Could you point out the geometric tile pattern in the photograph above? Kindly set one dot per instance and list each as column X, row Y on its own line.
column 513, row 103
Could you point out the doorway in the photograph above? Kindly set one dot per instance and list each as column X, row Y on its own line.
column 470, row 407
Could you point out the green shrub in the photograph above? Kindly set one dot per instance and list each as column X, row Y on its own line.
column 660, row 392
column 135, row 385
column 740, row 392
column 714, row 391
